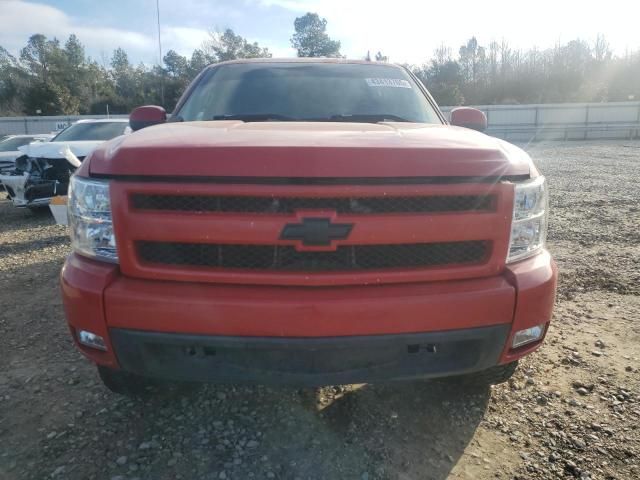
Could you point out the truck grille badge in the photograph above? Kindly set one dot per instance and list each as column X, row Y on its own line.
column 316, row 231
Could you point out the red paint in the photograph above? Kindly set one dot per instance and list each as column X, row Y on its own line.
column 307, row 312
column 131, row 225
column 535, row 281
column 97, row 296
column 308, row 150
column 146, row 116
column 83, row 283
column 469, row 118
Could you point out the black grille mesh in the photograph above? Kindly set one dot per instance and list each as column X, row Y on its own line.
column 277, row 257
column 360, row 205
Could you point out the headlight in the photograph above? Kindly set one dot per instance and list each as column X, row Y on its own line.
column 529, row 225
column 90, row 219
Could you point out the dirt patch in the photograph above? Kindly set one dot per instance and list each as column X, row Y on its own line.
column 571, row 411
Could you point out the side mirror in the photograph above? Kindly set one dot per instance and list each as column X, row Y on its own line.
column 146, row 116
column 469, row 118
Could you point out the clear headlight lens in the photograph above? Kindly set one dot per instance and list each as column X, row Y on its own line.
column 90, row 219
column 529, row 225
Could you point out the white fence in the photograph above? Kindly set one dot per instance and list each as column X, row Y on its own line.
column 562, row 121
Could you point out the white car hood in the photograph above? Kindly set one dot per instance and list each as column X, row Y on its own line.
column 8, row 156
column 54, row 149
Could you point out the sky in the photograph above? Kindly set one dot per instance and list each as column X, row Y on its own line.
column 407, row 31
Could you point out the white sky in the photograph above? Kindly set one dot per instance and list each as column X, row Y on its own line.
column 405, row 30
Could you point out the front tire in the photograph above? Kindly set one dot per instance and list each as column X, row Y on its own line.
column 484, row 378
column 123, row 383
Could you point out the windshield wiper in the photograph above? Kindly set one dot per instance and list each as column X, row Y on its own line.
column 362, row 118
column 356, row 118
column 256, row 117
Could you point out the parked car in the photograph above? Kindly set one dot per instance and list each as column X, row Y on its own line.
column 9, row 148
column 309, row 222
column 42, row 171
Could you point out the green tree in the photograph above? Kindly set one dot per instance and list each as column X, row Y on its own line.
column 310, row 38
column 197, row 62
column 101, row 91
column 120, row 62
column 40, row 98
column 54, row 85
column 124, row 76
column 71, row 74
column 74, row 50
column 229, row 46
column 59, row 79
column 179, row 76
column 175, row 64
column 37, row 55
column 472, row 58
column 13, row 81
column 443, row 76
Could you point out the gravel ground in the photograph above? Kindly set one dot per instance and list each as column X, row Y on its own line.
column 571, row 411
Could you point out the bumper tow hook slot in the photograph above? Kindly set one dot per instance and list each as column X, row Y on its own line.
column 422, row 348
column 199, row 352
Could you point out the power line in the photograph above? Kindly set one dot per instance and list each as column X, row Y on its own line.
column 160, row 54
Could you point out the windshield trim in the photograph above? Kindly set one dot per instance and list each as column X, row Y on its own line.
column 426, row 93
column 62, row 131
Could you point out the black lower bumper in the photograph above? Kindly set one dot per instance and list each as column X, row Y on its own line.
column 308, row 361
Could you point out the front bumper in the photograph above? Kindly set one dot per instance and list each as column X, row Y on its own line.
column 306, row 335
column 308, row 361
column 22, row 194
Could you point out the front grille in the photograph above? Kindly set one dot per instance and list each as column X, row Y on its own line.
column 355, row 205
column 287, row 258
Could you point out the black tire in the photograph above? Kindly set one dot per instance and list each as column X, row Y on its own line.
column 38, row 209
column 484, row 378
column 124, row 383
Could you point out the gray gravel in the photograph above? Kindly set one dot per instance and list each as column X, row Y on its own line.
column 571, row 410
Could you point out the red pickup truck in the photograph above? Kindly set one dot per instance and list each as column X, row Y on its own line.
column 308, row 222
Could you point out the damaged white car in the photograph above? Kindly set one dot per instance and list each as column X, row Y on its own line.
column 9, row 148
column 44, row 169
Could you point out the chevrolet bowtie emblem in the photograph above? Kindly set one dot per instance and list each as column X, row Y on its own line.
column 316, row 231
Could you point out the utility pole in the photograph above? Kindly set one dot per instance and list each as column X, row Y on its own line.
column 160, row 55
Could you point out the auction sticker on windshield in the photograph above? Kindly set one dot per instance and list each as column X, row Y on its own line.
column 388, row 82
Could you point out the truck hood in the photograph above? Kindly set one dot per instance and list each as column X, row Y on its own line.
column 307, row 150
column 54, row 149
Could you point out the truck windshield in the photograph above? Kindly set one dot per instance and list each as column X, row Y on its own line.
column 307, row 92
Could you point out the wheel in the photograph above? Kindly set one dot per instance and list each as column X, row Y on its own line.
column 124, row 383
column 495, row 375
column 38, row 209
column 484, row 378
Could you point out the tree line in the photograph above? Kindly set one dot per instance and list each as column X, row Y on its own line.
column 49, row 77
